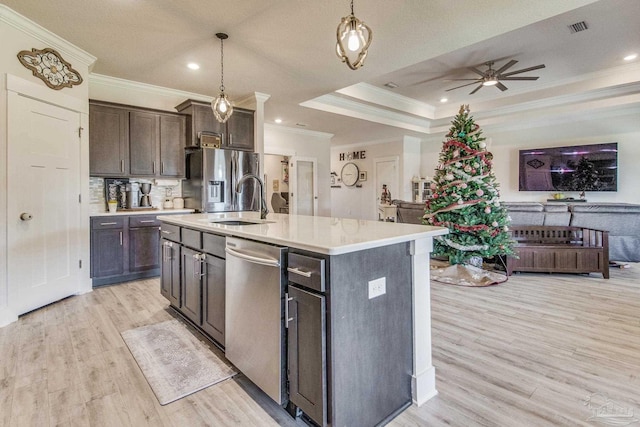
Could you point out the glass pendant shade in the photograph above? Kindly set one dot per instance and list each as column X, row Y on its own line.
column 353, row 41
column 221, row 106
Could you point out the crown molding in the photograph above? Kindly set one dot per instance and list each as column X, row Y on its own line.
column 49, row 39
column 297, row 131
column 347, row 107
column 144, row 87
column 373, row 94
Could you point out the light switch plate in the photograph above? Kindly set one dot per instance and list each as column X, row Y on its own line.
column 377, row 287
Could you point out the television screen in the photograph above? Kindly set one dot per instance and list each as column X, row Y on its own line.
column 575, row 168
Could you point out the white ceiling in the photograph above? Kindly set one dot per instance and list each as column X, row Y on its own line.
column 286, row 48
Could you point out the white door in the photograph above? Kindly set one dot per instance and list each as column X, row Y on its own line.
column 386, row 173
column 43, row 202
column 303, row 186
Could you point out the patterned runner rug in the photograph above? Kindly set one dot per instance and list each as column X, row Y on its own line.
column 174, row 362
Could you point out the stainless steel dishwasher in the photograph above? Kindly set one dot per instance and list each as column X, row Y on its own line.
column 254, row 320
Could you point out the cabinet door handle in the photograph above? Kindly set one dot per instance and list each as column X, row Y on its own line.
column 198, row 261
column 161, row 168
column 230, row 139
column 166, row 232
column 153, row 167
column 108, row 223
column 121, row 238
column 146, row 221
column 286, row 310
column 296, row 270
column 121, row 165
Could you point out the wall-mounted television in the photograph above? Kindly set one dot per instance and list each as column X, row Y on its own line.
column 591, row 167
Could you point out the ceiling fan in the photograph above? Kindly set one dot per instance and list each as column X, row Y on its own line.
column 492, row 77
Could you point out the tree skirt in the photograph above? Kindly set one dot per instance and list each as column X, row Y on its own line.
column 464, row 275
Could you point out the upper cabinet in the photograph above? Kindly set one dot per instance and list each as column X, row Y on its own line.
column 127, row 141
column 237, row 133
column 108, row 140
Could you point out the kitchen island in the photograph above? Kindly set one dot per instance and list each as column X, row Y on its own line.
column 367, row 283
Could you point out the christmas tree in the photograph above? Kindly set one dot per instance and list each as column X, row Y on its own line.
column 466, row 198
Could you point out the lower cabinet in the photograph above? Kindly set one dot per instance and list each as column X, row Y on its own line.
column 193, row 277
column 191, row 261
column 306, row 353
column 170, row 272
column 213, row 288
column 124, row 247
column 107, row 247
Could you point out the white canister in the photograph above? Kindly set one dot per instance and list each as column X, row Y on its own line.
column 178, row 203
column 168, row 204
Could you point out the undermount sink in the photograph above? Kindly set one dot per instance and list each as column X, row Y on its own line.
column 240, row 222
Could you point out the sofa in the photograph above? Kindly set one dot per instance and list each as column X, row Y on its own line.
column 621, row 220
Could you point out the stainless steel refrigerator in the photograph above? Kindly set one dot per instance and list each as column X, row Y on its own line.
column 211, row 178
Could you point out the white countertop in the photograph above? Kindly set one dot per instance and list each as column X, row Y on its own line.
column 326, row 235
column 144, row 212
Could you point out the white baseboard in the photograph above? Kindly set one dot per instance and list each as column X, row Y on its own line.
column 423, row 386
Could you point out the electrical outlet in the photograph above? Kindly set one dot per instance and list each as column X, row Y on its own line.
column 377, row 287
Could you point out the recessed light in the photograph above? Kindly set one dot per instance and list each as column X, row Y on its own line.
column 631, row 57
column 278, row 121
column 444, row 99
column 193, row 66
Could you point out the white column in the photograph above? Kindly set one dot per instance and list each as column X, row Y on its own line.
column 423, row 384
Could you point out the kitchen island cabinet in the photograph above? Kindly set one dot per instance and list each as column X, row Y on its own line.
column 359, row 349
column 193, row 277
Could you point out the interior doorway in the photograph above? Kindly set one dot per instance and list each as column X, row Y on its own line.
column 303, row 190
column 386, row 173
column 276, row 181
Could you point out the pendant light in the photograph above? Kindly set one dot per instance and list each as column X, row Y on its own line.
column 356, row 36
column 221, row 106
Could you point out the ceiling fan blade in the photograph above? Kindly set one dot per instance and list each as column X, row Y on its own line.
column 524, row 70
column 458, row 87
column 476, row 89
column 506, row 66
column 501, row 86
column 518, row 78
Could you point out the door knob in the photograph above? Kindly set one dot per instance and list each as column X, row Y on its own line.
column 24, row 216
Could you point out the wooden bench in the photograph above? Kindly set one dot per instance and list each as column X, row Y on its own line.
column 549, row 249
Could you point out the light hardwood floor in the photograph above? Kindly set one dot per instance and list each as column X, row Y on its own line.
column 528, row 352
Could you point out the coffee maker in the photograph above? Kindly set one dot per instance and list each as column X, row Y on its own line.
column 145, row 200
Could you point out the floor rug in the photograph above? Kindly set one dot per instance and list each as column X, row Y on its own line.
column 174, row 362
column 464, row 275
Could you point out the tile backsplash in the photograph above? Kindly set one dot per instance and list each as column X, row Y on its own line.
column 98, row 204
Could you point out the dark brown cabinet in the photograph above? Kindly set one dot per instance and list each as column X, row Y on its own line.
column 237, row 133
column 191, row 262
column 124, row 247
column 143, row 142
column 213, row 287
column 127, row 141
column 108, row 140
column 170, row 273
column 107, row 247
column 193, row 277
column 144, row 244
column 307, row 364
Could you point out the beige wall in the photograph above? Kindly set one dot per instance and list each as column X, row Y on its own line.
column 505, row 146
column 298, row 142
column 18, row 33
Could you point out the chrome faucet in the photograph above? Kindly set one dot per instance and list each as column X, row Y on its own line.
column 263, row 201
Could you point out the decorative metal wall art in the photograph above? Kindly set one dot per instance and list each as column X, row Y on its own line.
column 48, row 65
